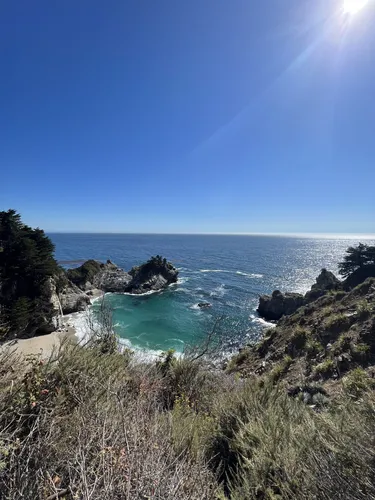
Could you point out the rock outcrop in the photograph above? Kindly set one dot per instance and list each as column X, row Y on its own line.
column 273, row 307
column 156, row 274
column 95, row 275
column 325, row 282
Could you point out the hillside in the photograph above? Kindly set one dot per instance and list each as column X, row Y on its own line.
column 321, row 342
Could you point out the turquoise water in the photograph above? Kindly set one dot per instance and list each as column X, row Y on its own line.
column 229, row 272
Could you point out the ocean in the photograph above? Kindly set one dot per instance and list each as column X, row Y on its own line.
column 229, row 272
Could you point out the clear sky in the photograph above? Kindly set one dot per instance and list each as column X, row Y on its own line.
column 199, row 116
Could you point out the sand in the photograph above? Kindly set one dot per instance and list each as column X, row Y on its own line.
column 42, row 344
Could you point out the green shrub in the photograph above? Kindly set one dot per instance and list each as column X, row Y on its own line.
column 280, row 369
column 324, row 369
column 361, row 351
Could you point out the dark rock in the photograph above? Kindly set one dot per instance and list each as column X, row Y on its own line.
column 204, row 305
column 325, row 282
column 154, row 275
column 279, row 304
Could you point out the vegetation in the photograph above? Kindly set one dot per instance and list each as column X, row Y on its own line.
column 26, row 263
column 357, row 258
column 83, row 274
column 90, row 425
column 156, row 263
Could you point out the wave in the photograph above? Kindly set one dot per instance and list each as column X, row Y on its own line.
column 261, row 321
column 218, row 291
column 214, row 271
column 240, row 273
column 249, row 275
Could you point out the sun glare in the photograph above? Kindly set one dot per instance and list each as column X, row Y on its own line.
column 353, row 6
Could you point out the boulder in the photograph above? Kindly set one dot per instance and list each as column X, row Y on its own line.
column 155, row 275
column 273, row 307
column 324, row 282
column 204, row 305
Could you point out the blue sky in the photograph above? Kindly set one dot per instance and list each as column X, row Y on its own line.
column 200, row 116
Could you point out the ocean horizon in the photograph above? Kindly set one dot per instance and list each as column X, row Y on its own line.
column 227, row 271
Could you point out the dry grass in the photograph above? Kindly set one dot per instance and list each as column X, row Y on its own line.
column 94, row 425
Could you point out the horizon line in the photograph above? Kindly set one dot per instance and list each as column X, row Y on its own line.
column 368, row 236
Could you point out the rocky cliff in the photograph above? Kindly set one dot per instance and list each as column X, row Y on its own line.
column 273, row 307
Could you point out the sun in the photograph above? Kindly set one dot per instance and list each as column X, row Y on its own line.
column 353, row 6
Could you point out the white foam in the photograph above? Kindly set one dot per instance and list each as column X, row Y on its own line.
column 249, row 275
column 85, row 326
column 241, row 273
column 262, row 322
column 183, row 280
column 218, row 291
column 214, row 271
column 195, row 307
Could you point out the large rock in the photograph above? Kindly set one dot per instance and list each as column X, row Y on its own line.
column 95, row 275
column 325, row 282
column 154, row 275
column 273, row 307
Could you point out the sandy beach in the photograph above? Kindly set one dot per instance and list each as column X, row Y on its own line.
column 42, row 344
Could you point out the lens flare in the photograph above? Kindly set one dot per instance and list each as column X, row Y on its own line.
column 353, row 6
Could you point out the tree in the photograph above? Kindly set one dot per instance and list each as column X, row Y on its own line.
column 26, row 262
column 356, row 258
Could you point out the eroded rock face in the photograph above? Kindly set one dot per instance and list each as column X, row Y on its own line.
column 273, row 307
column 154, row 275
column 95, row 275
column 111, row 278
